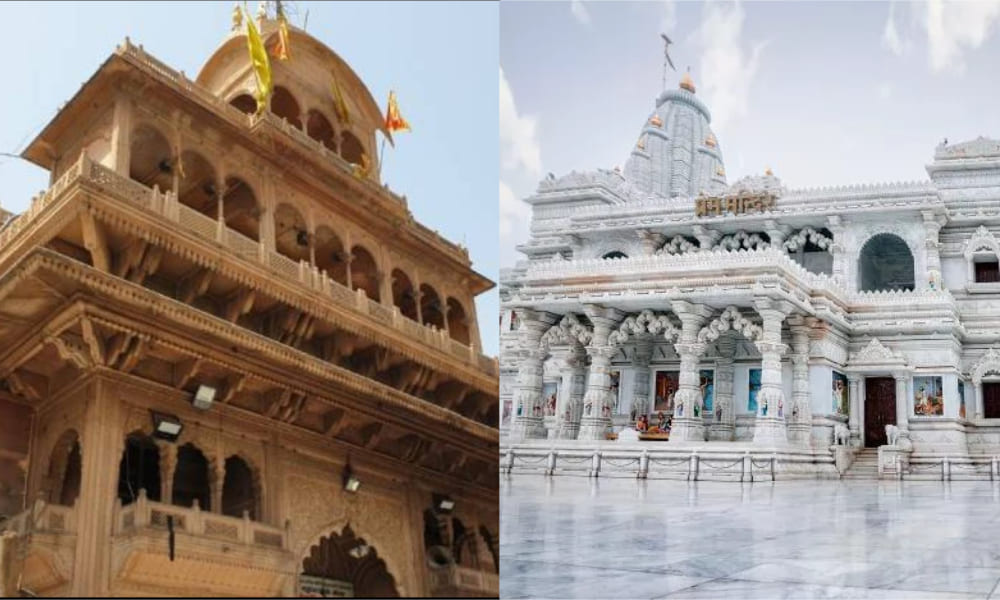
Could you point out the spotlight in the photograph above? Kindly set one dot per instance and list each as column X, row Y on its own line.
column 166, row 427
column 360, row 551
column 443, row 503
column 204, row 397
column 351, row 483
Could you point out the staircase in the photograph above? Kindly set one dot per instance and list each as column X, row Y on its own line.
column 865, row 465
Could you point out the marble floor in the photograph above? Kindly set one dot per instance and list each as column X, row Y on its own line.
column 571, row 537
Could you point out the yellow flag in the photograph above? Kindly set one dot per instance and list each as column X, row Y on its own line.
column 339, row 106
column 261, row 65
column 393, row 120
column 281, row 47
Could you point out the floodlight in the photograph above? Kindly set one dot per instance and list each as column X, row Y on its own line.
column 166, row 427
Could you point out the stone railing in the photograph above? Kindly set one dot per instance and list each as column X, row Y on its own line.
column 44, row 517
column 207, row 228
column 145, row 513
column 454, row 578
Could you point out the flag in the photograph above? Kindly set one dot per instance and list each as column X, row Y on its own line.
column 339, row 106
column 393, row 120
column 261, row 65
column 280, row 50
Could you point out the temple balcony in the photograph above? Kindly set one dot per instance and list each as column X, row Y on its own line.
column 45, row 538
column 454, row 581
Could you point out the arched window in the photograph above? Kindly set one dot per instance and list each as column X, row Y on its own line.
column 245, row 103
column 318, row 128
column 284, row 105
column 330, row 256
column 403, row 294
column 64, row 469
column 987, row 268
column 431, row 307
column 885, row 263
column 239, row 208
column 291, row 237
column 351, row 148
column 458, row 323
column 615, row 254
column 197, row 188
column 191, row 478
column 364, row 272
column 139, row 469
column 343, row 558
column 239, row 490
column 151, row 159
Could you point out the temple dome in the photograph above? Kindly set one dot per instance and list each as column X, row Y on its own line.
column 679, row 154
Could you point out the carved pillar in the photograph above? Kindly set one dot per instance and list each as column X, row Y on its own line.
column 902, row 401
column 977, row 387
column 385, row 289
column 800, row 421
column 121, row 130
column 706, row 237
column 217, row 473
column 769, row 427
column 854, row 396
column 640, row 385
column 837, row 249
column 348, row 259
column 528, row 387
column 168, row 464
column 688, row 423
column 571, row 389
column 597, row 401
column 776, row 232
column 724, row 417
column 444, row 315
column 932, row 230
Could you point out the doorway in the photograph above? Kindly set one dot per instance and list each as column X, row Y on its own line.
column 991, row 399
column 880, row 409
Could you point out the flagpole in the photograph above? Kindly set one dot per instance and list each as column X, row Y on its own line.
column 381, row 153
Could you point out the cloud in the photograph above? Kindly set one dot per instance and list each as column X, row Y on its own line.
column 728, row 63
column 890, row 35
column 579, row 12
column 518, row 135
column 669, row 19
column 885, row 90
column 952, row 25
column 514, row 214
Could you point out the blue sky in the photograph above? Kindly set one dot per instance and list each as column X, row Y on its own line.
column 824, row 93
column 439, row 57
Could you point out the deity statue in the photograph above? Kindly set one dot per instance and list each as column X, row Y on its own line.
column 763, row 409
column 697, row 409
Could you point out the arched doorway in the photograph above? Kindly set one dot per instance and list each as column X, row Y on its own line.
column 151, row 159
column 330, row 255
column 430, row 306
column 345, row 565
column 197, row 189
column 64, row 469
column 239, row 208
column 239, row 489
column 191, row 478
column 245, row 103
column 458, row 323
column 885, row 263
column 284, row 105
column 364, row 273
column 403, row 294
column 291, row 237
column 318, row 127
column 139, row 469
column 350, row 148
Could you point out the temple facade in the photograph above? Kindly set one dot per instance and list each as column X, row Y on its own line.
column 234, row 362
column 754, row 319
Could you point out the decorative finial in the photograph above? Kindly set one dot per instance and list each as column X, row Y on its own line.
column 768, row 171
column 686, row 82
column 237, row 17
column 261, row 11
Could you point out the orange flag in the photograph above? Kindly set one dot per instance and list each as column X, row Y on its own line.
column 393, row 120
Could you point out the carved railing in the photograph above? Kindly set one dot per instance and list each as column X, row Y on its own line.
column 44, row 517
column 148, row 514
column 450, row 577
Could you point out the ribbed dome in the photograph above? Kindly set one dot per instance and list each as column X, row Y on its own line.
column 679, row 154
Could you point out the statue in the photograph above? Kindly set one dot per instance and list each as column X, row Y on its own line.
column 891, row 434
column 841, row 434
column 763, row 409
column 680, row 409
column 697, row 409
column 237, row 17
column 718, row 413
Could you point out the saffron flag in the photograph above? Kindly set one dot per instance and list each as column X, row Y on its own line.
column 261, row 65
column 339, row 105
column 282, row 45
column 393, row 120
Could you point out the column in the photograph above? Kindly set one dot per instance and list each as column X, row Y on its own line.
column 217, row 473
column 902, row 401
column 776, row 232
column 597, row 401
column 854, row 397
column 571, row 390
column 528, row 387
column 168, row 464
column 769, row 427
column 688, row 423
column 121, row 131
column 837, row 249
column 724, row 413
column 932, row 229
column 977, row 387
column 640, row 385
column 800, row 419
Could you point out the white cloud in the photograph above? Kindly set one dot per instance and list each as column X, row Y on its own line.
column 669, row 20
column 518, row 135
column 890, row 35
column 728, row 63
column 885, row 90
column 514, row 214
column 579, row 12
column 952, row 25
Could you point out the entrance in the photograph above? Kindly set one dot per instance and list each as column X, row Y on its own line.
column 343, row 565
column 991, row 399
column 880, row 409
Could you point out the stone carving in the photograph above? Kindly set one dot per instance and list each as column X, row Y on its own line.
column 731, row 318
column 742, row 240
column 807, row 234
column 891, row 434
column 757, row 183
column 978, row 147
column 645, row 322
column 989, row 363
column 568, row 330
column 982, row 239
column 841, row 434
column 677, row 245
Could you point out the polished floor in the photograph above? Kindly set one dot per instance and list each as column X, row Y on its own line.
column 570, row 537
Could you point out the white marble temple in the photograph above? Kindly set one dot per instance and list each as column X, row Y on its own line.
column 577, row 538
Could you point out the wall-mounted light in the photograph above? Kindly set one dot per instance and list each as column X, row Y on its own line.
column 443, row 503
column 360, row 551
column 166, row 427
column 351, row 483
column 204, row 397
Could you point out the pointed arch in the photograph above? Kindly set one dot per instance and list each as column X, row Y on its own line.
column 644, row 322
column 291, row 234
column 330, row 254
column 151, row 158
column 345, row 556
column 365, row 272
column 285, row 106
column 458, row 322
column 403, row 295
column 730, row 318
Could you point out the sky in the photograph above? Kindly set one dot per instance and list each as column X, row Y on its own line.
column 439, row 57
column 823, row 93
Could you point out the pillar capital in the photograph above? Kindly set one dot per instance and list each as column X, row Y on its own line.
column 771, row 308
column 688, row 311
column 603, row 315
column 900, row 376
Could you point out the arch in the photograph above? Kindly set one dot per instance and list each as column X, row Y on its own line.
column 345, row 557
column 430, row 306
column 245, row 103
column 989, row 363
column 741, row 240
column 364, row 272
column 812, row 249
column 351, row 148
column 65, row 462
column 679, row 244
column 318, row 127
column 240, row 488
column 403, row 294
column 642, row 323
column 731, row 318
column 330, row 255
column 151, row 158
column 285, row 106
column 197, row 188
column 982, row 255
column 464, row 544
column 240, row 210
column 569, row 329
column 191, row 478
column 491, row 545
column 139, row 468
column 885, row 263
column 614, row 254
column 458, row 322
column 291, row 236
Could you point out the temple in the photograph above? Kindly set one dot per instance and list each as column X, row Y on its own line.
column 844, row 331
column 235, row 364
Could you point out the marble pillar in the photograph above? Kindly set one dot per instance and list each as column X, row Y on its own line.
column 769, row 426
column 597, row 402
column 854, row 389
column 800, row 419
column 932, row 243
column 688, row 422
column 641, row 384
column 977, row 390
column 572, row 383
column 902, row 401
column 724, row 417
column 837, row 249
column 528, row 421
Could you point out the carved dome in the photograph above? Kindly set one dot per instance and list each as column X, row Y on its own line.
column 680, row 155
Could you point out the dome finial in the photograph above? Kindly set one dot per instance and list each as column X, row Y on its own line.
column 686, row 82
column 768, row 171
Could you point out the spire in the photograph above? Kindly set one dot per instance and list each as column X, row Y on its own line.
column 686, row 82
